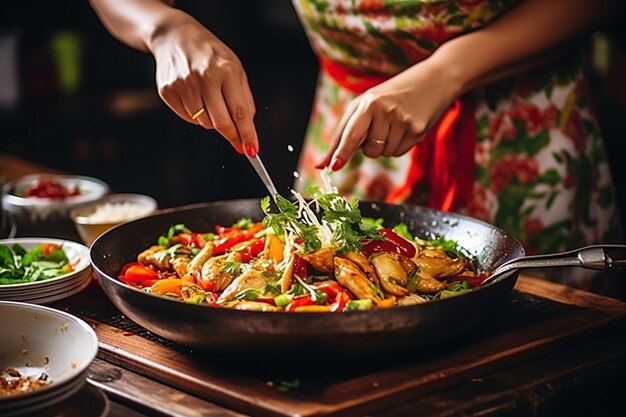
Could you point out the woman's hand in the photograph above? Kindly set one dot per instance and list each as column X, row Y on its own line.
column 392, row 117
column 194, row 71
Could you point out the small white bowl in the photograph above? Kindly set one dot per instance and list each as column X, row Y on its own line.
column 37, row 339
column 41, row 209
column 114, row 209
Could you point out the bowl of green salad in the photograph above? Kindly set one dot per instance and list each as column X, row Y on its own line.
column 42, row 270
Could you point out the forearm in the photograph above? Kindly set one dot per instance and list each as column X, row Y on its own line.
column 528, row 36
column 138, row 22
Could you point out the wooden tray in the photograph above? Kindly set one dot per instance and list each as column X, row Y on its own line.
column 540, row 317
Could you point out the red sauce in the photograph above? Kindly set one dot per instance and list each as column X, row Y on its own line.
column 50, row 188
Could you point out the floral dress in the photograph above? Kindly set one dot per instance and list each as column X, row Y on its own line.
column 539, row 168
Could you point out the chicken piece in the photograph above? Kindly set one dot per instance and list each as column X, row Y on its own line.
column 364, row 264
column 438, row 264
column 426, row 283
column 287, row 278
column 201, row 257
column 350, row 276
column 181, row 264
column 148, row 257
column 322, row 259
column 392, row 277
column 407, row 264
column 213, row 270
column 250, row 280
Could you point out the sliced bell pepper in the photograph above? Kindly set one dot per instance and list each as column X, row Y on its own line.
column 337, row 295
column 167, row 286
column 374, row 246
column 138, row 275
column 406, row 247
column 303, row 300
column 193, row 239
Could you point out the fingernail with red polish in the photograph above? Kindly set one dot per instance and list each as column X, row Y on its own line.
column 337, row 163
column 250, row 151
column 321, row 165
column 239, row 149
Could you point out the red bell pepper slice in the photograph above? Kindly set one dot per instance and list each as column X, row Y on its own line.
column 299, row 267
column 303, row 300
column 407, row 248
column 229, row 237
column 193, row 239
column 337, row 294
column 374, row 246
column 138, row 275
column 253, row 250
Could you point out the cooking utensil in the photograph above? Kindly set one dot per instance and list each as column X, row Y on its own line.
column 349, row 334
column 591, row 257
column 262, row 173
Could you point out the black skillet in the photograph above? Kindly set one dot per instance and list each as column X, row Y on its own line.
column 353, row 333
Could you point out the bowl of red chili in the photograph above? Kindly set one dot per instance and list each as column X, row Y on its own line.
column 41, row 203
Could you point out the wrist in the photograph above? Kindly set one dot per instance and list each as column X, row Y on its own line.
column 159, row 30
column 451, row 68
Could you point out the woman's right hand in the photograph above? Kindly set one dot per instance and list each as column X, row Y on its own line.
column 195, row 70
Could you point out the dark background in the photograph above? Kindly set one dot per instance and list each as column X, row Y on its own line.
column 111, row 124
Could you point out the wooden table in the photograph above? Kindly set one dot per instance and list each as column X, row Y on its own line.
column 552, row 350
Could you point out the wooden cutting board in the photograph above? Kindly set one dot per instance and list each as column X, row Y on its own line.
column 539, row 318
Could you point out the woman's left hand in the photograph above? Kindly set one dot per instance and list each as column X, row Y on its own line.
column 392, row 117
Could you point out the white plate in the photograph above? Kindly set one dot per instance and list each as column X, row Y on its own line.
column 77, row 254
column 52, row 296
column 59, row 285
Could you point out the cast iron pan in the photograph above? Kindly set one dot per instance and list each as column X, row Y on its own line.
column 355, row 333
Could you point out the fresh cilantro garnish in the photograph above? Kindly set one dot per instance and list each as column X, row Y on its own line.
column 233, row 268
column 287, row 217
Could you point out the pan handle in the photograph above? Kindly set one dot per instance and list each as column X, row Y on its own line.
column 598, row 257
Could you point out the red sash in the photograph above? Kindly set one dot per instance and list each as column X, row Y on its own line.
column 446, row 156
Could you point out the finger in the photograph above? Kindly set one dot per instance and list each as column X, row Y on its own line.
column 219, row 115
column 173, row 101
column 396, row 134
column 334, row 142
column 191, row 97
column 408, row 142
column 241, row 113
column 377, row 136
column 352, row 136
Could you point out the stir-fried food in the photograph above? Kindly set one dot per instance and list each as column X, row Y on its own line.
column 308, row 256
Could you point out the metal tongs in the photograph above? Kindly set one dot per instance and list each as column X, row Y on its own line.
column 597, row 257
column 262, row 173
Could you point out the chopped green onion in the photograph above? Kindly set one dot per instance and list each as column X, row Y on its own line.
column 282, row 300
column 358, row 305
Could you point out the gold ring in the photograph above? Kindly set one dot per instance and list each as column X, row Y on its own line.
column 197, row 114
column 378, row 141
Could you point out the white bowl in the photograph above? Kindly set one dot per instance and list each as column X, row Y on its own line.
column 115, row 205
column 38, row 339
column 36, row 216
